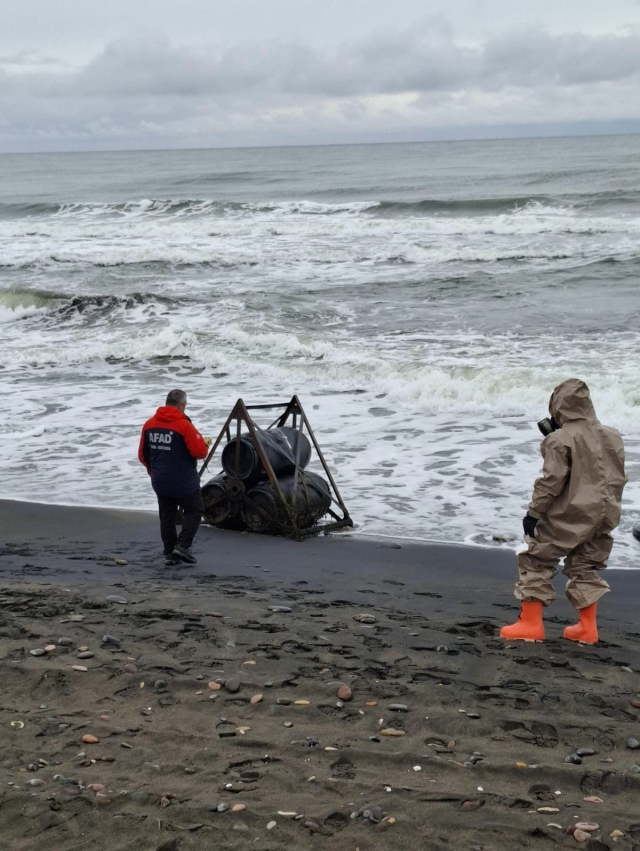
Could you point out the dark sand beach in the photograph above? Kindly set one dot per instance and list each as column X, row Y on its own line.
column 473, row 757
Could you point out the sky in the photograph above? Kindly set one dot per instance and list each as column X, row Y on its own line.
column 84, row 75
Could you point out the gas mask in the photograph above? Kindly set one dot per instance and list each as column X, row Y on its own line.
column 547, row 425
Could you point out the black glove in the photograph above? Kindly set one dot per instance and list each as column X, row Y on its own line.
column 529, row 525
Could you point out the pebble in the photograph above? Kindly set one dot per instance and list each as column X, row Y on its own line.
column 121, row 561
column 581, row 836
column 574, row 759
column 271, row 825
column 88, row 739
column 616, row 834
column 626, row 669
column 280, row 610
column 287, row 814
column 365, row 618
column 111, row 639
column 35, row 782
column 222, row 808
column 215, row 686
column 159, row 685
column 585, row 752
column 49, row 648
column 587, row 827
column 38, row 652
column 130, row 668
column 238, row 808
column 284, row 701
column 268, row 685
column 257, row 698
column 65, row 642
column 389, row 731
column 80, row 668
column 345, row 693
column 312, row 825
column 398, row 707
column 114, row 598
column 548, row 810
column 371, row 703
column 232, row 685
column 472, row 715
column 194, row 827
column 86, row 654
column 76, row 618
column 521, row 764
column 635, row 769
column 471, row 805
column 593, row 799
column 635, row 704
column 633, row 744
column 301, row 703
column 417, row 768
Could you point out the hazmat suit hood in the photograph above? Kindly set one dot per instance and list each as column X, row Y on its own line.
column 571, row 400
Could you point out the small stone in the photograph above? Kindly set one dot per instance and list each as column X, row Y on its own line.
column 130, row 668
column 635, row 704
column 593, row 799
column 238, row 808
column 249, row 662
column 159, row 685
column 215, row 686
column 49, row 648
column 96, row 787
column 585, row 752
column 633, row 744
column 301, row 703
column 288, row 724
column 417, row 768
column 574, row 759
column 39, row 651
column 80, row 668
column 121, row 561
column 114, row 598
column 280, row 610
column 521, row 764
column 222, row 808
column 126, row 745
column 365, row 618
column 626, row 669
column 82, row 649
column 371, row 703
column 548, row 810
column 65, row 642
column 587, row 826
column 616, row 834
column 35, row 782
column 76, row 618
column 398, row 707
column 581, row 835
column 268, row 685
column 86, row 654
column 389, row 731
column 243, row 730
column 88, row 739
column 345, row 693
column 287, row 814
column 271, row 825
column 284, row 701
column 111, row 639
column 472, row 804
column 473, row 715
column 194, row 827
column 311, row 825
column 257, row 698
column 232, row 685
column 635, row 769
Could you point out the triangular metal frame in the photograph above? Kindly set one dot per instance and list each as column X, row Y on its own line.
column 293, row 411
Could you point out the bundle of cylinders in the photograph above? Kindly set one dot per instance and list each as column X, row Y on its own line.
column 241, row 497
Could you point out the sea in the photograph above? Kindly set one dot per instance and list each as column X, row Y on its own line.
column 422, row 300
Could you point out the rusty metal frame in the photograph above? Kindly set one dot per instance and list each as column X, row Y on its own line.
column 292, row 410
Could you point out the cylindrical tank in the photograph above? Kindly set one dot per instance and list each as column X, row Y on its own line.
column 221, row 503
column 277, row 444
column 262, row 511
column 295, row 437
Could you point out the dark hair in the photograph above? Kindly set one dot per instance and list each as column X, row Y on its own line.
column 176, row 397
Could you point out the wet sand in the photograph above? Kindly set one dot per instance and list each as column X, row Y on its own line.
column 472, row 760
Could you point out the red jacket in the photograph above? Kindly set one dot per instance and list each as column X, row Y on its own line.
column 169, row 447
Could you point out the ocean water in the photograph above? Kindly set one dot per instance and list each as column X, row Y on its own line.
column 422, row 299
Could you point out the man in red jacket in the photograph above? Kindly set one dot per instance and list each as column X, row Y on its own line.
column 169, row 448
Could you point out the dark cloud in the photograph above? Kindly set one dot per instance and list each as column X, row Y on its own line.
column 148, row 86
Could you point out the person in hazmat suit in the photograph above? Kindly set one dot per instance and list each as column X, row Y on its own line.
column 574, row 509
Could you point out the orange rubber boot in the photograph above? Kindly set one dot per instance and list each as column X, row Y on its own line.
column 528, row 627
column 586, row 630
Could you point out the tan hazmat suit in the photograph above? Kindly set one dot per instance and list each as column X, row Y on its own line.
column 576, row 500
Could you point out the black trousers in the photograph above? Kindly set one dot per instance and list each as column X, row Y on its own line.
column 192, row 506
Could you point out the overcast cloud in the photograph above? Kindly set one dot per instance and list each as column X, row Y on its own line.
column 406, row 77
